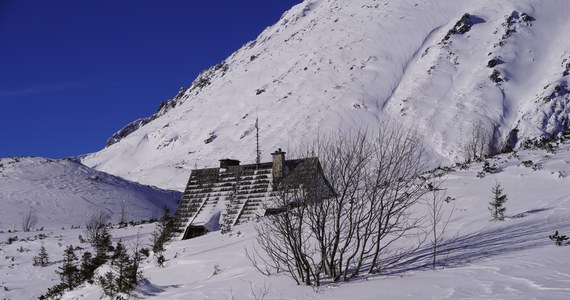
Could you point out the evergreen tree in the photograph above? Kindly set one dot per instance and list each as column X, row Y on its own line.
column 125, row 272
column 103, row 245
column 162, row 233
column 496, row 206
column 133, row 272
column 88, row 267
column 68, row 272
column 131, row 276
column 42, row 259
column 120, row 261
column 107, row 282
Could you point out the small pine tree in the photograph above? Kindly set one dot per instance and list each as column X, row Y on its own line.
column 162, row 233
column 121, row 261
column 42, row 259
column 107, row 282
column 68, row 272
column 133, row 272
column 88, row 267
column 125, row 274
column 102, row 244
column 496, row 206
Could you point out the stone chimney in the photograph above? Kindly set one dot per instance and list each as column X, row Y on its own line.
column 224, row 163
column 278, row 164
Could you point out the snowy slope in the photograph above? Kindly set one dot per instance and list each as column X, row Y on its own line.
column 65, row 193
column 511, row 259
column 335, row 64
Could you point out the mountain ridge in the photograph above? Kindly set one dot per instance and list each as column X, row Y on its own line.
column 64, row 192
column 331, row 65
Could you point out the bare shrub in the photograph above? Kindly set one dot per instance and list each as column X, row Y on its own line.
column 29, row 221
column 477, row 143
column 94, row 227
column 261, row 292
column 437, row 219
column 349, row 219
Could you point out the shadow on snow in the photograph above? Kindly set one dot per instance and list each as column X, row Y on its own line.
column 486, row 243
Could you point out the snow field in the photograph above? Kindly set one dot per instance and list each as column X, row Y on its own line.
column 481, row 259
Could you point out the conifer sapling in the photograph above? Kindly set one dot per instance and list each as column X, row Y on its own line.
column 496, row 206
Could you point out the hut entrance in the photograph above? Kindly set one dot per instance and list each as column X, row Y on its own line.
column 193, row 231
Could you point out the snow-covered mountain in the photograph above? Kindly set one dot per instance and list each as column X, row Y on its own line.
column 66, row 193
column 440, row 66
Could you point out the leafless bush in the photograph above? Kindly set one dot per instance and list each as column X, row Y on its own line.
column 94, row 226
column 29, row 221
column 264, row 266
column 374, row 179
column 437, row 218
column 477, row 143
column 262, row 292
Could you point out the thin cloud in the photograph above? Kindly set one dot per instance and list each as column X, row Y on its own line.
column 33, row 90
column 36, row 90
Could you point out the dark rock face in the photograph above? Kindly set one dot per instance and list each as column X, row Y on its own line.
column 526, row 18
column 496, row 77
column 494, row 62
column 203, row 80
column 164, row 106
column 512, row 23
column 130, row 128
column 511, row 141
column 566, row 70
column 210, row 138
column 462, row 26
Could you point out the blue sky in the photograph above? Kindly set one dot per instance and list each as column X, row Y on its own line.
column 74, row 72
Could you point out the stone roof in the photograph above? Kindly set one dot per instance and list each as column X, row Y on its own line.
column 236, row 193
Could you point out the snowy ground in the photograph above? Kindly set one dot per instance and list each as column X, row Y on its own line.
column 64, row 193
column 513, row 259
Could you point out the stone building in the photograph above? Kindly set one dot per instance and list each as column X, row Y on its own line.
column 233, row 194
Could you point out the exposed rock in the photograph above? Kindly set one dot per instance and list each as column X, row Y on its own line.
column 462, row 26
column 526, row 18
column 511, row 141
column 566, row 70
column 494, row 62
column 210, row 138
column 125, row 131
column 496, row 77
column 512, row 24
column 164, row 107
